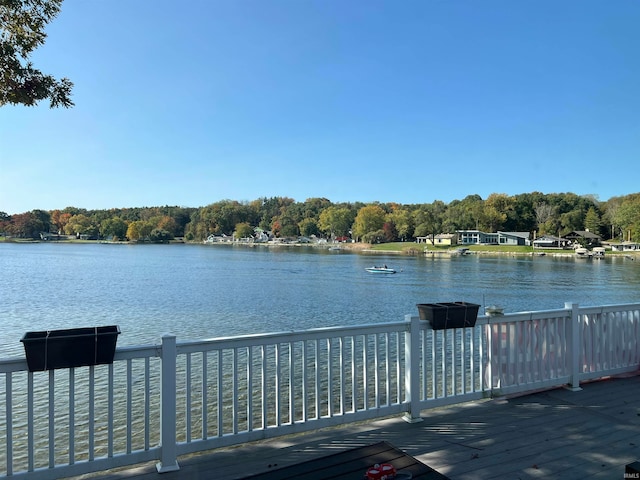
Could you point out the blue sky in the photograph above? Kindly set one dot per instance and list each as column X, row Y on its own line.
column 190, row 103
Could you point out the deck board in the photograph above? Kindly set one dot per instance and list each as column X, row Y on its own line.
column 351, row 464
column 559, row 434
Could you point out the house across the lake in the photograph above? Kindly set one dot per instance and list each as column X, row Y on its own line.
column 624, row 246
column 439, row 240
column 477, row 237
column 514, row 238
column 584, row 237
column 551, row 241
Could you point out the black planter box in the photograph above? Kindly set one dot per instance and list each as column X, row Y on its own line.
column 449, row 314
column 74, row 347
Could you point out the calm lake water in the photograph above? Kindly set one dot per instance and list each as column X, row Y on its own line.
column 198, row 291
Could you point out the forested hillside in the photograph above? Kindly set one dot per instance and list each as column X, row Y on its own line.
column 555, row 214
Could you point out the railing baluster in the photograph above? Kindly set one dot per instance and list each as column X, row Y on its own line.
column 263, row 386
column 398, row 369
column 187, row 399
column 443, row 364
column 437, row 363
column 8, row 418
column 463, row 355
column 234, row 390
column 220, row 391
column 598, row 342
column 472, row 363
column 549, row 351
column 305, row 386
column 354, row 391
column 205, row 397
column 52, row 418
column 30, row 423
column 329, row 396
column 454, row 361
column 276, row 382
column 249, row 368
column 526, row 367
column 508, row 364
column 110, row 411
column 92, row 402
column 610, row 344
column 342, row 377
column 291, row 391
column 72, row 416
column 365, row 372
column 317, row 379
column 387, row 369
column 147, row 402
column 376, row 380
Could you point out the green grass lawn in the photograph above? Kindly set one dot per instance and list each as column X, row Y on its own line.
column 418, row 248
column 414, row 248
column 405, row 247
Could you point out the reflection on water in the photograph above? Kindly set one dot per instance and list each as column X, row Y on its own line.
column 197, row 291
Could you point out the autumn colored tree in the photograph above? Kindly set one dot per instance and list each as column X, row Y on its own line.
column 390, row 232
column 496, row 209
column 133, row 232
column 308, row 227
column 27, row 225
column 158, row 235
column 59, row 220
column 243, row 230
column 114, row 227
column 336, row 221
column 167, row 223
column 628, row 217
column 81, row 224
column 22, row 30
column 370, row 218
column 403, row 221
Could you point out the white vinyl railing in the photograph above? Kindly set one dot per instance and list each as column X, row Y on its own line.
column 158, row 402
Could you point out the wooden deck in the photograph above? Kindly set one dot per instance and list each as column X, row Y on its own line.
column 559, row 434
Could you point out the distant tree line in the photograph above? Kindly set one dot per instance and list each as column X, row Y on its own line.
column 554, row 214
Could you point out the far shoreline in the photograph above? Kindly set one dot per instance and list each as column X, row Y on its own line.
column 393, row 248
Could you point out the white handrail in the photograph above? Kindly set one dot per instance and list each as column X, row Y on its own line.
column 159, row 402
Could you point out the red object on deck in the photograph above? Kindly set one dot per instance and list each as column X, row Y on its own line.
column 384, row 471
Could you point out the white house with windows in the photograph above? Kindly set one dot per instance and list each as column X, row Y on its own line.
column 477, row 237
column 624, row 246
column 514, row 238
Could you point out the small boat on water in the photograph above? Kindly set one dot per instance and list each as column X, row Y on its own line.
column 382, row 270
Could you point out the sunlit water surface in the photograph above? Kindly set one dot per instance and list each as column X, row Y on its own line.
column 198, row 291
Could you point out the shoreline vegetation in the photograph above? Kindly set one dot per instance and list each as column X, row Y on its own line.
column 391, row 248
column 383, row 226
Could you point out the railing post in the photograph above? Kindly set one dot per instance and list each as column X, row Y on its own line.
column 168, row 452
column 574, row 345
column 412, row 369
